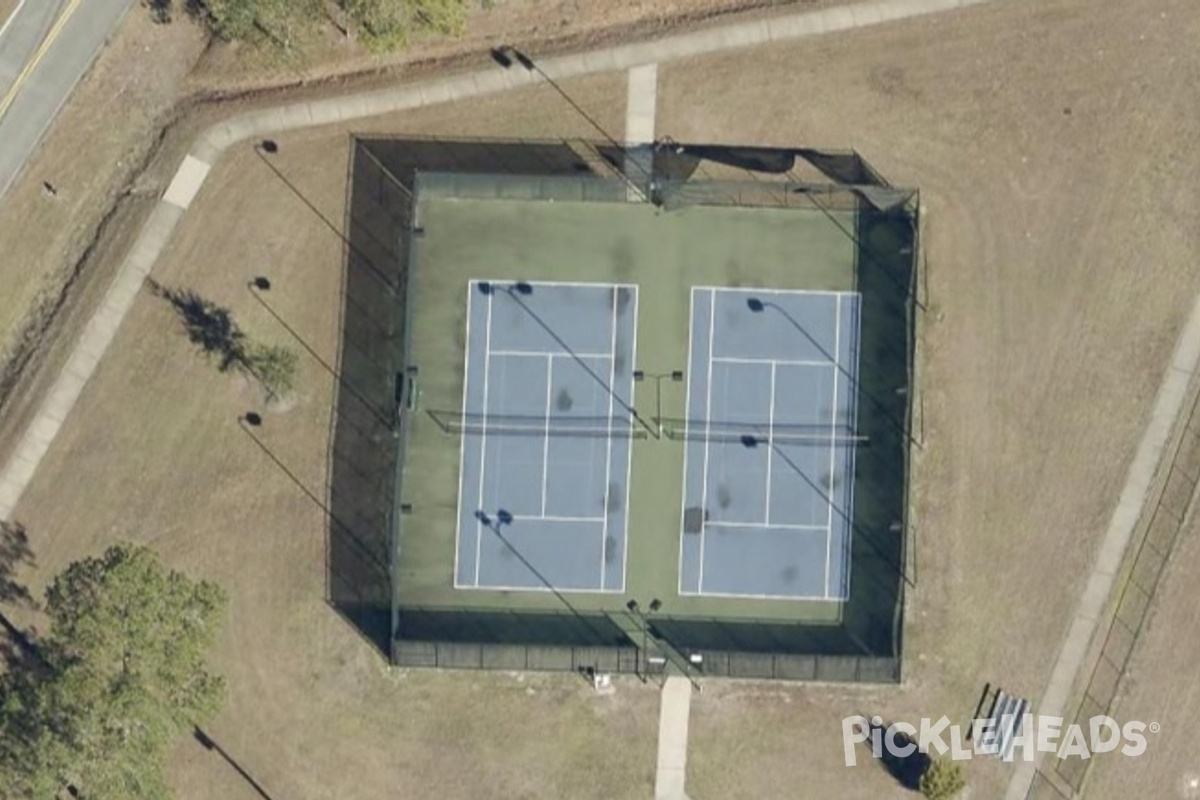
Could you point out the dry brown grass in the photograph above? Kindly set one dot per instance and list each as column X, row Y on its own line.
column 1160, row 689
column 1062, row 255
column 313, row 712
column 540, row 25
column 6, row 8
column 1049, row 141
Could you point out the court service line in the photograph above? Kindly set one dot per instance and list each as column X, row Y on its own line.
column 612, row 394
column 771, row 438
column 712, row 324
column 546, row 443
column 837, row 355
column 487, row 363
column 462, row 445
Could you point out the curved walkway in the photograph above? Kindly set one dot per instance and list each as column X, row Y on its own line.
column 156, row 233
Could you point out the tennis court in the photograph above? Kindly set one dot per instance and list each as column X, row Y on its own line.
column 547, row 424
column 770, row 429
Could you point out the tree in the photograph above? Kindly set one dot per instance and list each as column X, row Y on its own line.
column 274, row 366
column 388, row 24
column 121, row 675
column 943, row 780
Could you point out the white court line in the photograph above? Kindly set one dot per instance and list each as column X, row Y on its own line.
column 852, row 421
column 629, row 442
column 546, row 443
column 770, row 438
column 582, row 284
column 487, row 361
column 485, row 587
column 780, row 292
column 786, row 362
column 462, row 447
column 717, row 523
column 687, row 425
column 612, row 393
column 735, row 595
column 556, row 518
column 547, row 353
column 837, row 353
column 712, row 324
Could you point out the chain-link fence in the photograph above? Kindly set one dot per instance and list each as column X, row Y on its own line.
column 367, row 451
column 1160, row 529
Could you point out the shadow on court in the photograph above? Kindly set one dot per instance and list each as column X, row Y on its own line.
column 367, row 437
column 366, row 441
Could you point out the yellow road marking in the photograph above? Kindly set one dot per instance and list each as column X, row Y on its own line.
column 31, row 65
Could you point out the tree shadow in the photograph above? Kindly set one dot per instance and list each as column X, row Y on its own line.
column 16, row 645
column 208, row 326
column 160, row 10
column 906, row 770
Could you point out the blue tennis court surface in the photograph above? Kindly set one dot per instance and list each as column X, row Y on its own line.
column 770, row 444
column 547, row 427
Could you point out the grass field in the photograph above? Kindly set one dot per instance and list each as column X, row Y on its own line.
column 1157, row 692
column 1051, row 143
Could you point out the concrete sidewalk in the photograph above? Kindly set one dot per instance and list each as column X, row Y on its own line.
column 1130, row 505
column 673, row 717
column 158, row 230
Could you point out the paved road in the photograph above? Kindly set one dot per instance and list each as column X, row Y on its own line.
column 45, row 48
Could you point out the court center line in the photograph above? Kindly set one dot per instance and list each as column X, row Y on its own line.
column 612, row 377
column 770, row 438
column 546, row 443
column 712, row 324
column 487, row 364
column 837, row 354
column 558, row 518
